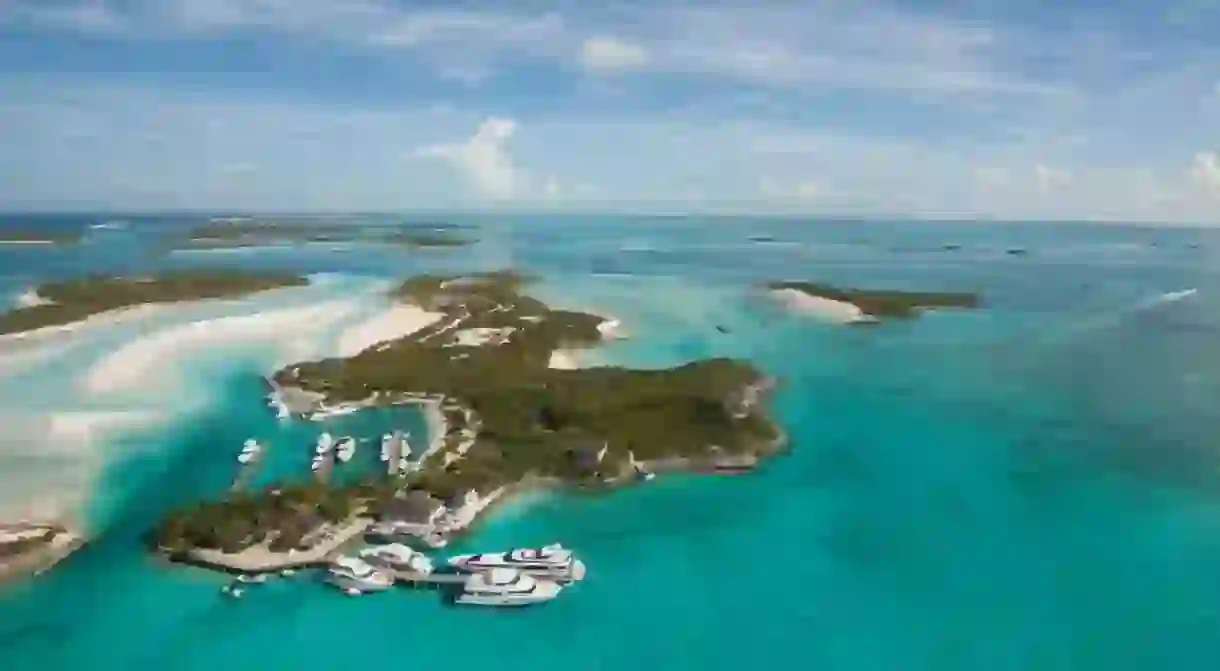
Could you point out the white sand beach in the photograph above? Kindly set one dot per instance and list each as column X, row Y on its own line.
column 140, row 360
column 394, row 322
column 109, row 318
column 836, row 312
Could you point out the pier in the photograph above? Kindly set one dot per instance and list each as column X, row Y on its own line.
column 322, row 475
column 435, row 578
column 247, row 471
column 395, row 454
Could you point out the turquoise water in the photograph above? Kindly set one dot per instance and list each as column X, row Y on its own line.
column 1035, row 485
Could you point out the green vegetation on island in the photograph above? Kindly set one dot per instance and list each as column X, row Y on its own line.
column 226, row 233
column 284, row 517
column 884, row 303
column 489, row 357
column 67, row 301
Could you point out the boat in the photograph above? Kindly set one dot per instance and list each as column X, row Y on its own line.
column 249, row 451
column 387, row 450
column 506, row 587
column 345, row 449
column 254, row 578
column 553, row 562
column 351, row 573
column 317, row 462
column 325, row 443
column 398, row 557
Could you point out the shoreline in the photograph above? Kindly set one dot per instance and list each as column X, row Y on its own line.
column 29, row 565
column 826, row 309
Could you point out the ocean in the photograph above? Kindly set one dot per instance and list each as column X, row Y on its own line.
column 1031, row 485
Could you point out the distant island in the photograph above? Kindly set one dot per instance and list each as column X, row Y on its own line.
column 861, row 306
column 510, row 421
column 228, row 233
column 63, row 302
column 11, row 236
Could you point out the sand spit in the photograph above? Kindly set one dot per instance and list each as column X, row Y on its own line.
column 137, row 361
column 394, row 322
column 835, row 312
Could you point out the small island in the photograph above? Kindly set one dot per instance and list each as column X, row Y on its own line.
column 862, row 306
column 63, row 302
column 32, row 547
column 39, row 237
column 230, row 233
column 504, row 420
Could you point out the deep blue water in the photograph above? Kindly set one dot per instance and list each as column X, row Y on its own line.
column 1034, row 485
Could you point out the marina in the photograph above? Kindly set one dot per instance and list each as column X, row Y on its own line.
column 517, row 577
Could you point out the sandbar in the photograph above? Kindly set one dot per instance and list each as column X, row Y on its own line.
column 394, row 322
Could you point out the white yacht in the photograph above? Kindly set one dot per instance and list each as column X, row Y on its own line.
column 398, row 557
column 356, row 576
column 387, row 442
column 345, row 449
column 506, row 587
column 553, row 562
column 249, row 451
column 325, row 443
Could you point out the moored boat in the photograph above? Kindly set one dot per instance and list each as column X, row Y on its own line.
column 506, row 587
column 553, row 562
column 352, row 574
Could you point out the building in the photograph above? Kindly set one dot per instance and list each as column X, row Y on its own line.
column 414, row 514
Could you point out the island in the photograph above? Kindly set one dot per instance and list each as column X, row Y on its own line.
column 62, row 302
column 503, row 420
column 32, row 547
column 229, row 233
column 863, row 306
column 40, row 237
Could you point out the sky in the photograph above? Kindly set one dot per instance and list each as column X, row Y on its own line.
column 1014, row 109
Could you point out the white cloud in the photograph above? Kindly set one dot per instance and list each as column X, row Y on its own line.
column 1206, row 170
column 856, row 45
column 1051, row 179
column 484, row 158
column 804, row 191
column 606, row 53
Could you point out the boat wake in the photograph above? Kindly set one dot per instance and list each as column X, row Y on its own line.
column 1117, row 317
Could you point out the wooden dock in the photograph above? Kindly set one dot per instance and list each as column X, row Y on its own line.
column 246, row 473
column 395, row 454
column 328, row 465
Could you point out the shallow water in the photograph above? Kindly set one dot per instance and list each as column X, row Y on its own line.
column 1030, row 486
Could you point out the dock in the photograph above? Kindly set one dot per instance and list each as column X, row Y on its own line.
column 395, row 454
column 328, row 464
column 434, row 578
column 245, row 473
